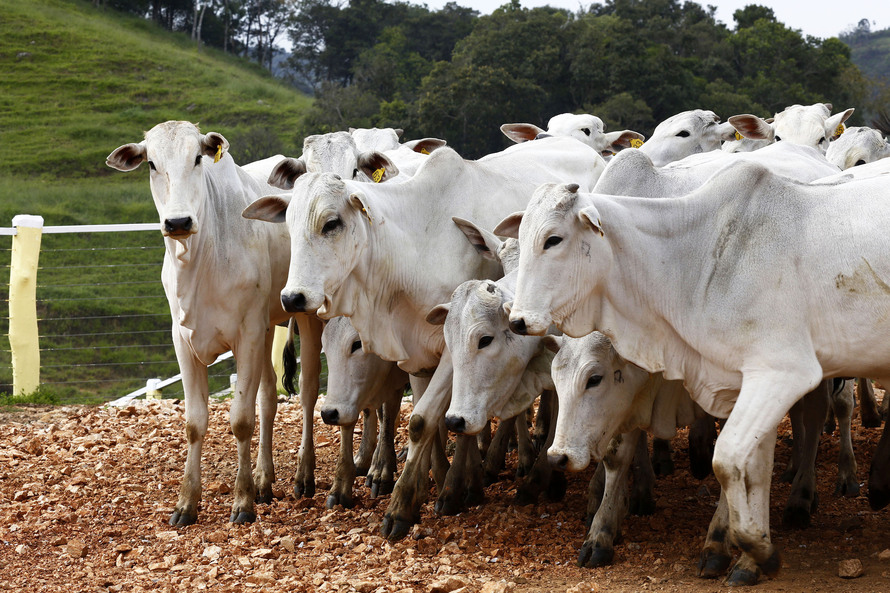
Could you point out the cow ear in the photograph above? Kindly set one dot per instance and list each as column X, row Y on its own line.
column 753, row 127
column 270, row 209
column 377, row 166
column 126, row 157
column 484, row 242
column 618, row 140
column 399, row 132
column 425, row 145
column 521, row 132
column 437, row 314
column 509, row 227
column 357, row 201
column 551, row 343
column 214, row 145
column 834, row 124
column 286, row 173
column 591, row 218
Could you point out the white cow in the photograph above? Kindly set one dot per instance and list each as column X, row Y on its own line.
column 686, row 133
column 384, row 255
column 580, row 126
column 222, row 276
column 857, row 146
column 751, row 289
column 809, row 125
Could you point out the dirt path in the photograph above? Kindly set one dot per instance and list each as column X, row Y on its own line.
column 85, row 494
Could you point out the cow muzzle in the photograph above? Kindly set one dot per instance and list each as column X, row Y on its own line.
column 178, row 228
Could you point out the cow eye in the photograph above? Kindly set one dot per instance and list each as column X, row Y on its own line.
column 151, row 166
column 355, row 346
column 777, row 139
column 593, row 381
column 586, row 131
column 331, row 226
column 485, row 341
column 197, row 160
column 354, row 173
column 683, row 134
column 859, row 162
column 551, row 242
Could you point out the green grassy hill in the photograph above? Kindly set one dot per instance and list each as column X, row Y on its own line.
column 76, row 83
column 79, row 81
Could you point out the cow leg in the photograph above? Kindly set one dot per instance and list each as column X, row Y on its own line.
column 842, row 402
column 797, row 439
column 344, row 475
column 598, row 547
column 367, row 449
column 483, row 439
column 869, row 413
column 879, row 473
column 495, row 457
column 310, row 361
column 267, row 395
column 803, row 499
column 453, row 497
column 743, row 456
column 194, row 383
column 542, row 476
column 524, row 447
column 412, row 488
column 716, row 555
column 381, row 477
column 595, row 490
column 544, row 420
column 702, row 435
column 642, row 496
column 662, row 460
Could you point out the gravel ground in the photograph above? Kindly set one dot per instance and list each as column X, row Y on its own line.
column 85, row 494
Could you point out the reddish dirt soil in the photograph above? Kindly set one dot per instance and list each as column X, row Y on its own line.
column 85, row 494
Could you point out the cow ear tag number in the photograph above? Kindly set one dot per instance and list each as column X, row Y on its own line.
column 377, row 175
column 218, row 154
column 636, row 143
column 840, row 130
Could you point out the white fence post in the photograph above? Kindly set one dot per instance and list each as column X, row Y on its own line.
column 23, row 340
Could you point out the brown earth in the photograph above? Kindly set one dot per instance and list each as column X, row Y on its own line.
column 85, row 494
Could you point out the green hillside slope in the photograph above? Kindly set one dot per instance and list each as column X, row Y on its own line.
column 78, row 82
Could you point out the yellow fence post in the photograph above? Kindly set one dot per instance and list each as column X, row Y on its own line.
column 23, row 341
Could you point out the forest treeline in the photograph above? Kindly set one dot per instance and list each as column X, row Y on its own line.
column 456, row 74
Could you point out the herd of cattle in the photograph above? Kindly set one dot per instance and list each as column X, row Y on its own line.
column 735, row 270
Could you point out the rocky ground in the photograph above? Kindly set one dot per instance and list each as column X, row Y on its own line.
column 85, row 494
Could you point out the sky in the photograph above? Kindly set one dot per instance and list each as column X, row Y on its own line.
column 819, row 18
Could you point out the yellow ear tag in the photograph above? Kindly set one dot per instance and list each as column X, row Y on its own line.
column 368, row 214
column 840, row 130
column 377, row 175
column 636, row 143
column 738, row 136
column 424, row 151
column 218, row 154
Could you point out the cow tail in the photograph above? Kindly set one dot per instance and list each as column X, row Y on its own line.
column 289, row 358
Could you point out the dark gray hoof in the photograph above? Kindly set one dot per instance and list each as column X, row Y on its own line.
column 848, row 488
column 242, row 517
column 180, row 518
column 712, row 565
column 304, row 489
column 741, row 577
column 382, row 488
column 448, row 503
column 362, row 471
column 264, row 496
column 395, row 529
column 342, row 499
column 592, row 556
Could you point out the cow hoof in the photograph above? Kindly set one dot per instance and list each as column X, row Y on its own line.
column 362, row 471
column 304, row 489
column 742, row 577
column 344, row 500
column 525, row 496
column 181, row 518
column 592, row 556
column 712, row 565
column 642, row 504
column 556, row 489
column 878, row 498
column 474, row 497
column 489, row 478
column 395, row 529
column 848, row 488
column 264, row 496
column 796, row 517
column 382, row 488
column 447, row 504
column 242, row 517
column 700, row 466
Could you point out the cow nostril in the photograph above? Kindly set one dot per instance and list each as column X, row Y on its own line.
column 173, row 225
column 559, row 462
column 330, row 416
column 456, row 424
column 518, row 326
column 294, row 303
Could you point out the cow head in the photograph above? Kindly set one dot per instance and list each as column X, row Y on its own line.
column 336, row 153
column 807, row 125
column 599, row 395
column 583, row 127
column 355, row 377
column 563, row 256
column 177, row 154
column 857, row 146
column 681, row 135
column 329, row 225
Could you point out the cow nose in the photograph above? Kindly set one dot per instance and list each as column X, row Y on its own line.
column 456, row 424
column 559, row 461
column 518, row 326
column 294, row 303
column 330, row 416
column 178, row 225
